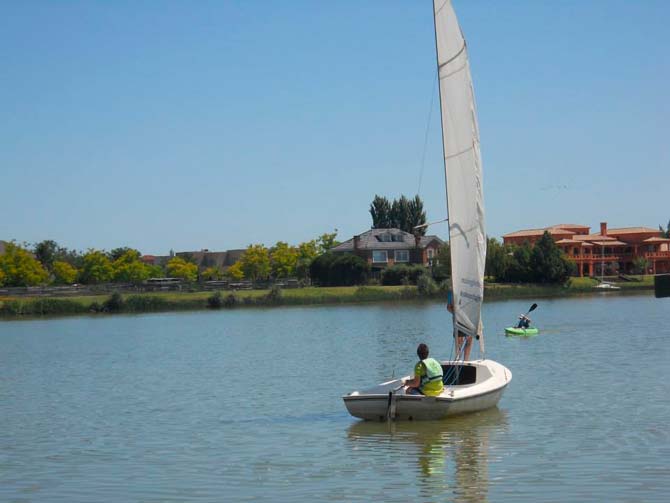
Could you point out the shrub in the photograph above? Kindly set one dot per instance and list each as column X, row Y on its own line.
column 231, row 300
column 144, row 303
column 275, row 295
column 215, row 301
column 402, row 274
column 339, row 270
column 114, row 304
column 426, row 286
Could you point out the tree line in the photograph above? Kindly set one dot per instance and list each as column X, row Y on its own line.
column 47, row 262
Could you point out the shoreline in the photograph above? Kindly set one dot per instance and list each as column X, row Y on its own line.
column 152, row 302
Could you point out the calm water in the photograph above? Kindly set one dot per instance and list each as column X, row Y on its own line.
column 245, row 406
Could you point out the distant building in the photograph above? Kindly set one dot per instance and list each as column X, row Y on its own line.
column 203, row 258
column 385, row 247
column 3, row 246
column 610, row 251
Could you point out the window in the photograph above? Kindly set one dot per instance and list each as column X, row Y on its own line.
column 402, row 255
column 431, row 252
column 379, row 256
column 384, row 238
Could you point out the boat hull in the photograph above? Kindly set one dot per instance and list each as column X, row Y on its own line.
column 522, row 331
column 382, row 402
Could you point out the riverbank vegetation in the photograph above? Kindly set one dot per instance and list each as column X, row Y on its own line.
column 182, row 301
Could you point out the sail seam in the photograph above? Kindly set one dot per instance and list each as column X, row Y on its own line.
column 453, row 57
column 451, row 156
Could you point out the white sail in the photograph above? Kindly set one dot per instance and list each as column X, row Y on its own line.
column 460, row 136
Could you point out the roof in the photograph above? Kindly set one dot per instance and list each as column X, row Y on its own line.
column 537, row 232
column 385, row 239
column 593, row 237
column 566, row 241
column 613, row 242
column 632, row 230
column 570, row 226
column 656, row 240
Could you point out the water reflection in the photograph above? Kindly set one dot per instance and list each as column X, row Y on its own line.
column 451, row 456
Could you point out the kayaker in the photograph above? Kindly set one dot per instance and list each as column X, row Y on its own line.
column 524, row 321
column 427, row 378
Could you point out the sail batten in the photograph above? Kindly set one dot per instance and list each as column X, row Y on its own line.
column 463, row 172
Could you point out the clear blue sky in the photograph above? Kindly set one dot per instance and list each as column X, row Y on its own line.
column 186, row 125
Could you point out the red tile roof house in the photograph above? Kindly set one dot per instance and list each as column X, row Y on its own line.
column 613, row 249
column 386, row 247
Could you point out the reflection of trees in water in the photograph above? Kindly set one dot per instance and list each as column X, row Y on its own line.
column 452, row 455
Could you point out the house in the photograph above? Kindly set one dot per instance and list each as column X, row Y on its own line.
column 610, row 251
column 386, row 247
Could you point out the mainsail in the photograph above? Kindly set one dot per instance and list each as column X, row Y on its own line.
column 465, row 200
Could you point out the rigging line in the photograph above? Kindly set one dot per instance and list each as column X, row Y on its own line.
column 425, row 139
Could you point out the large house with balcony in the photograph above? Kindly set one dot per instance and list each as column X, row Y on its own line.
column 611, row 251
column 386, row 247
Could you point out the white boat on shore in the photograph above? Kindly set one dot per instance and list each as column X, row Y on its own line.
column 469, row 385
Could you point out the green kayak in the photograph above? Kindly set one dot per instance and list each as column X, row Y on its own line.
column 522, row 331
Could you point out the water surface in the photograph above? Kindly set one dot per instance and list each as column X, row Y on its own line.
column 245, row 405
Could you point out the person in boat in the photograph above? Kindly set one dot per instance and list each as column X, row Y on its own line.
column 524, row 321
column 464, row 341
column 428, row 375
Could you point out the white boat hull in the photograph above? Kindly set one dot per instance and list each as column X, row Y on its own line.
column 483, row 391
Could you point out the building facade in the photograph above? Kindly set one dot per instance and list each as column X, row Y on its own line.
column 383, row 248
column 609, row 252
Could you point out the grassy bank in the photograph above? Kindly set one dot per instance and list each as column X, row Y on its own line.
column 183, row 301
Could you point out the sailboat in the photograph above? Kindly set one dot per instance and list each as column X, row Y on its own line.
column 469, row 385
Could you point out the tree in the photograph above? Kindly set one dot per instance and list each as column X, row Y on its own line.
column 404, row 214
column 97, row 268
column 117, row 253
column 520, row 270
column 640, row 265
column 498, row 259
column 380, row 210
column 177, row 267
column 64, row 273
column 330, row 269
column 211, row 273
column 235, row 272
column 128, row 268
column 326, row 241
column 441, row 266
column 665, row 232
column 19, row 268
column 45, row 252
column 255, row 262
column 283, row 259
column 548, row 263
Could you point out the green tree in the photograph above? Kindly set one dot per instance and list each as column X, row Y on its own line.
column 404, row 214
column 255, row 262
column 46, row 252
column 441, row 266
column 380, row 211
column 332, row 269
column 97, row 268
column 128, row 268
column 327, row 241
column 498, row 259
column 211, row 273
column 665, row 232
column 520, row 270
column 640, row 265
column 548, row 263
column 64, row 273
column 19, row 268
column 283, row 259
column 235, row 272
column 117, row 253
column 177, row 267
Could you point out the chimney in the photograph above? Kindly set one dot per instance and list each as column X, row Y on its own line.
column 417, row 240
column 603, row 228
column 357, row 240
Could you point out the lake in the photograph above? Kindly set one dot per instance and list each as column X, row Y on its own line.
column 245, row 405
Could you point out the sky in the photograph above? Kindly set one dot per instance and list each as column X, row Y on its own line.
column 182, row 125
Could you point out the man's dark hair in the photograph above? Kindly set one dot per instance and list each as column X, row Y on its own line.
column 422, row 351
